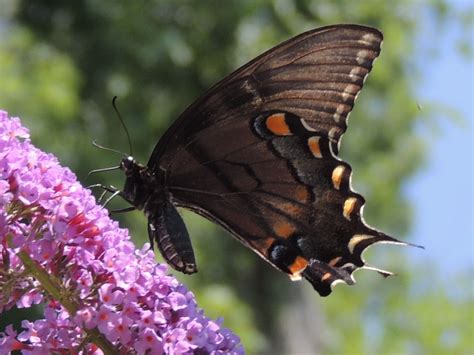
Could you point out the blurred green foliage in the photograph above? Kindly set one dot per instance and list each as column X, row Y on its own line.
column 61, row 62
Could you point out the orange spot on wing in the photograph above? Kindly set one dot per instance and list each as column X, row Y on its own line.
column 298, row 265
column 334, row 261
column 348, row 208
column 302, row 194
column 326, row 276
column 265, row 243
column 277, row 125
column 284, row 229
column 356, row 239
column 337, row 176
column 313, row 144
column 291, row 208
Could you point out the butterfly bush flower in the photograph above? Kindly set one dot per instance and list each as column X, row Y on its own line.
column 100, row 294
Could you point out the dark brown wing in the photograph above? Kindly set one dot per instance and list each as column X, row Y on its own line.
column 316, row 75
column 257, row 155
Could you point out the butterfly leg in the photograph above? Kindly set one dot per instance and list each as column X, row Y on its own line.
column 115, row 192
column 105, row 189
column 124, row 210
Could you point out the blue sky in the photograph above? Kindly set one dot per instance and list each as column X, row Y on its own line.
column 442, row 194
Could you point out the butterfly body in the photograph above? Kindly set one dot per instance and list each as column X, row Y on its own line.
column 148, row 192
column 257, row 154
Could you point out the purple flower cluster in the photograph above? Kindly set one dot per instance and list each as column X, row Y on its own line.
column 106, row 291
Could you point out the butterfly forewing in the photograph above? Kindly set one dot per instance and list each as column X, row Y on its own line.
column 257, row 154
column 328, row 60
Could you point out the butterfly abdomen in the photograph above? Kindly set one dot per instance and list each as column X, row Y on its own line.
column 167, row 229
column 147, row 192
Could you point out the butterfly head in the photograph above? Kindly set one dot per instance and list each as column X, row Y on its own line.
column 130, row 166
column 137, row 185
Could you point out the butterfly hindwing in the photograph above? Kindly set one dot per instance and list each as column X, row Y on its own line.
column 280, row 194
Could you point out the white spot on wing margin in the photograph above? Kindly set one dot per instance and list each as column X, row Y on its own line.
column 306, row 125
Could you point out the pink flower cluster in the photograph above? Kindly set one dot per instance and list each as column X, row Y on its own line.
column 114, row 289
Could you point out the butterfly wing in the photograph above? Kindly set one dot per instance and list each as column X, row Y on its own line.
column 257, row 154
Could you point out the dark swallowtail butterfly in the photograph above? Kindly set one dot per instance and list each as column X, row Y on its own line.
column 257, row 154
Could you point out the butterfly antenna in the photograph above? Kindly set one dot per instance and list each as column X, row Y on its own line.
column 123, row 124
column 101, row 170
column 95, row 144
